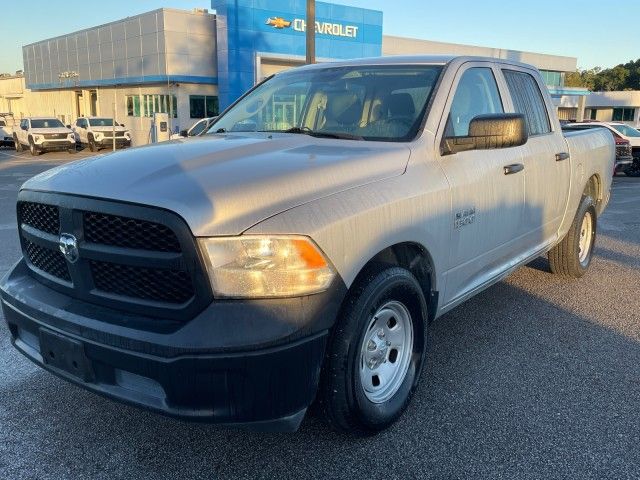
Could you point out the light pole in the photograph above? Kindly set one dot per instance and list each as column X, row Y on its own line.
column 311, row 31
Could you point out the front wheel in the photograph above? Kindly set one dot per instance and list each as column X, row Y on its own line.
column 17, row 144
column 633, row 170
column 33, row 149
column 375, row 353
column 572, row 256
column 92, row 144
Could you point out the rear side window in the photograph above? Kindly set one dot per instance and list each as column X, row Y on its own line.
column 528, row 100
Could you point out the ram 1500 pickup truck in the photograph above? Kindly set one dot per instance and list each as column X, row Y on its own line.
column 237, row 277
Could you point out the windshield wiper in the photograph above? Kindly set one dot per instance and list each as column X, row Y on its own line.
column 315, row 133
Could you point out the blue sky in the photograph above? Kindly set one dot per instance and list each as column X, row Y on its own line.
column 592, row 30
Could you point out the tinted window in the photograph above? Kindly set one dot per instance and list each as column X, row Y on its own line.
column 101, row 122
column 2, row 124
column 46, row 123
column 623, row 114
column 528, row 100
column 477, row 94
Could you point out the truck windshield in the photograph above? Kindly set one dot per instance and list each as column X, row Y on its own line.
column 101, row 122
column 46, row 123
column 384, row 103
column 626, row 130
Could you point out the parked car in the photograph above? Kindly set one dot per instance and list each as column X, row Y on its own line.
column 6, row 130
column 624, row 152
column 42, row 134
column 623, row 132
column 98, row 132
column 197, row 129
column 236, row 277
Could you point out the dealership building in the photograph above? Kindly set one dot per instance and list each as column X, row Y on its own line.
column 192, row 64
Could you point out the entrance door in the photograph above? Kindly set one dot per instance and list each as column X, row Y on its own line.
column 486, row 201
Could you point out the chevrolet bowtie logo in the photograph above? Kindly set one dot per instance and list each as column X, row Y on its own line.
column 278, row 22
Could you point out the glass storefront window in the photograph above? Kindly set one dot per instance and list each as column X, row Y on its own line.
column 623, row 114
column 203, row 106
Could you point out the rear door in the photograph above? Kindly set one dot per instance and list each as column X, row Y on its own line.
column 487, row 204
column 545, row 156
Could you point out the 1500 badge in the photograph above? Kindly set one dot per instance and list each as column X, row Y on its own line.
column 465, row 217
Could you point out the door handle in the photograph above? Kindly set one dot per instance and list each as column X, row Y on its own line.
column 513, row 168
column 561, row 156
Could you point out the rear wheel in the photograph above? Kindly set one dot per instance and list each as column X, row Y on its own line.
column 572, row 256
column 375, row 353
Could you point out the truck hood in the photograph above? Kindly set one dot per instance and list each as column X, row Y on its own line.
column 224, row 184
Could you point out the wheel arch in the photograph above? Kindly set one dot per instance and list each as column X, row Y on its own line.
column 593, row 188
column 414, row 257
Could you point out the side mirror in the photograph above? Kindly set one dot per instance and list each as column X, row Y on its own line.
column 489, row 132
column 24, row 127
column 122, row 125
column 184, row 133
column 68, row 126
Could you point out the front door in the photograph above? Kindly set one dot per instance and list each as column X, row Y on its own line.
column 487, row 203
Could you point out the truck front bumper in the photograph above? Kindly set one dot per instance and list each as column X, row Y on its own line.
column 55, row 145
column 121, row 142
column 261, row 388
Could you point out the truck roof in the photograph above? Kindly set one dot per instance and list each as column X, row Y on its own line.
column 416, row 60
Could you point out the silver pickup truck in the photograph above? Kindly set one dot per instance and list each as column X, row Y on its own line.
column 300, row 250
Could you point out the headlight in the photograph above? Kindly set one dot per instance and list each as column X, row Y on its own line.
column 37, row 138
column 98, row 136
column 72, row 136
column 265, row 266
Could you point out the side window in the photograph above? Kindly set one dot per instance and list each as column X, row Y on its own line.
column 78, row 123
column 528, row 100
column 477, row 94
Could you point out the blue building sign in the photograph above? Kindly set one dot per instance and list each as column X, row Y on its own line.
column 249, row 29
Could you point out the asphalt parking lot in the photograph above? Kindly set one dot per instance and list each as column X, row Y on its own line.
column 536, row 377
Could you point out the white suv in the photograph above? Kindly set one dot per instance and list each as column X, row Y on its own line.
column 98, row 132
column 40, row 134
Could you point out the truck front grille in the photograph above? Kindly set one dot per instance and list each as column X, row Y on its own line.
column 154, row 284
column 108, row 134
column 129, row 233
column 40, row 216
column 49, row 261
column 130, row 257
column 55, row 136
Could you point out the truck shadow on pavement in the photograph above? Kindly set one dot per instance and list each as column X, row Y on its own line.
column 516, row 386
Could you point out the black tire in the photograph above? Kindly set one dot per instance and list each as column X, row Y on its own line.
column 17, row 144
column 342, row 398
column 92, row 144
column 33, row 149
column 634, row 169
column 565, row 258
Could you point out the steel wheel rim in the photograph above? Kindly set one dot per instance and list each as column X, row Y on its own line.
column 385, row 352
column 586, row 234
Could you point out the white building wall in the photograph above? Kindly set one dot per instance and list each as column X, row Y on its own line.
column 392, row 45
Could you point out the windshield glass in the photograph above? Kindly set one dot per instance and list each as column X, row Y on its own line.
column 101, row 122
column 627, row 131
column 365, row 102
column 46, row 123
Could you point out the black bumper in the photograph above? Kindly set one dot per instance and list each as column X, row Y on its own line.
column 121, row 142
column 55, row 146
column 6, row 142
column 198, row 372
